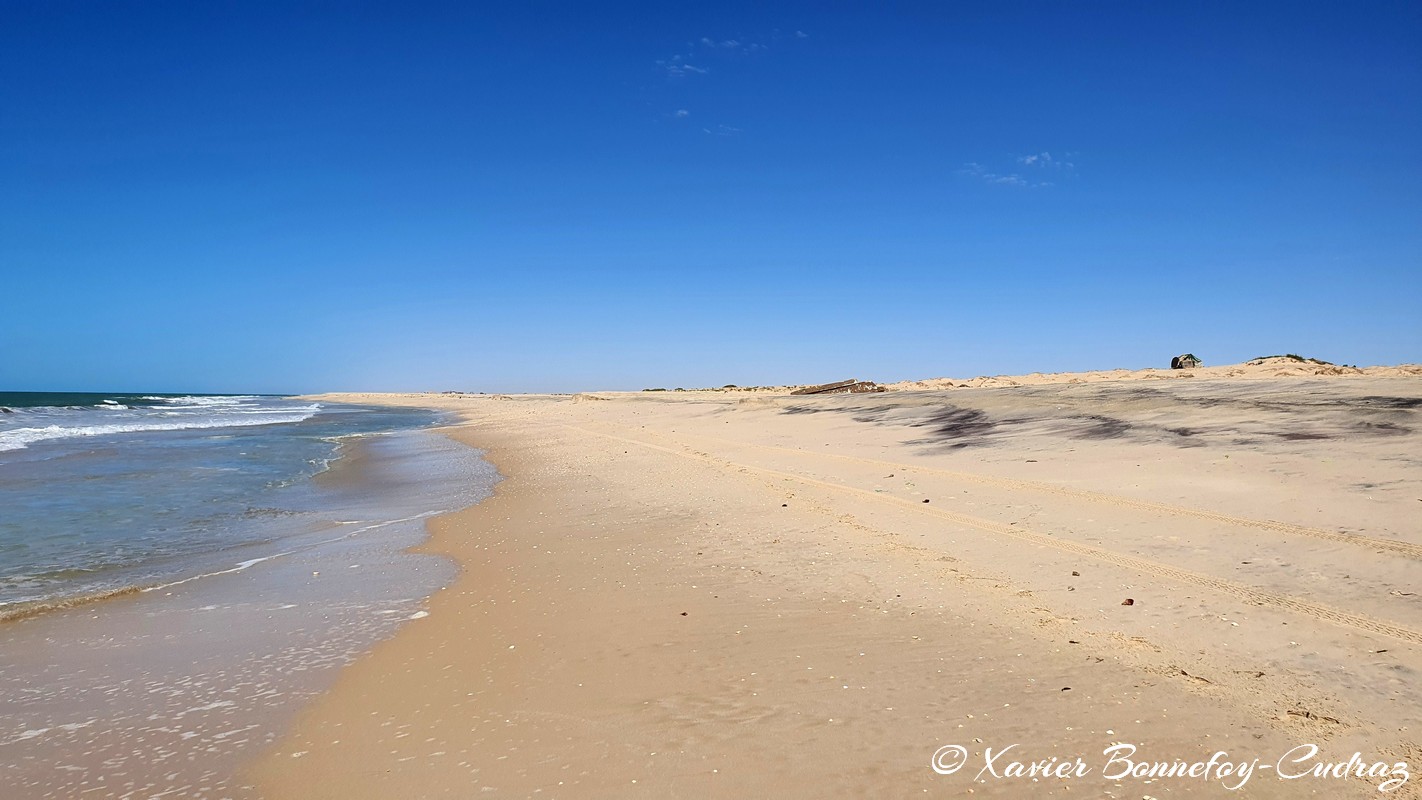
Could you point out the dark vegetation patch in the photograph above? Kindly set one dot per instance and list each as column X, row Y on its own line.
column 856, row 413
column 807, row 410
column 869, row 415
column 954, row 428
column 1296, row 357
column 1391, row 403
column 957, row 423
column 1099, row 427
column 1381, row 429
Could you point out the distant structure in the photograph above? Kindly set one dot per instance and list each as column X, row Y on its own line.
column 1187, row 361
column 851, row 386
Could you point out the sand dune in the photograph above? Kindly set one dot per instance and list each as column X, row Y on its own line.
column 1260, row 368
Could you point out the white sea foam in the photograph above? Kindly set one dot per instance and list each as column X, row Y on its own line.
column 199, row 400
column 185, row 413
column 252, row 562
column 248, row 564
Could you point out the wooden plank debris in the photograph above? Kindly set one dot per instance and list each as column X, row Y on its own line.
column 866, row 386
column 826, row 388
column 851, row 386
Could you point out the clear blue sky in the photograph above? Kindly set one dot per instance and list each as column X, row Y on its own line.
column 285, row 197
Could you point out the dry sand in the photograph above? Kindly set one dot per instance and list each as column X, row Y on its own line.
column 717, row 594
column 1258, row 369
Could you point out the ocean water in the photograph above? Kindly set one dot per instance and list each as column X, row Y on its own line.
column 105, row 494
column 180, row 574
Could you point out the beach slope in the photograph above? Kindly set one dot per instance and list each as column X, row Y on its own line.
column 699, row 594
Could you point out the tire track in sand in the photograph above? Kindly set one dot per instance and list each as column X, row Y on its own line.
column 1407, row 549
column 1259, row 596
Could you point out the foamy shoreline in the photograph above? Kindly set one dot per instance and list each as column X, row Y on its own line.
column 168, row 690
column 671, row 588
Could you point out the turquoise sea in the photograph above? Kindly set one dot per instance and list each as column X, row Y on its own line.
column 179, row 574
column 103, row 494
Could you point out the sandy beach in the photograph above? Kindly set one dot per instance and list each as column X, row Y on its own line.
column 735, row 593
column 403, row 401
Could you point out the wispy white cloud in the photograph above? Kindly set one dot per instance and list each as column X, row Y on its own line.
column 732, row 45
column 676, row 67
column 1044, row 160
column 708, row 47
column 716, row 53
column 724, row 44
column 972, row 169
column 1030, row 173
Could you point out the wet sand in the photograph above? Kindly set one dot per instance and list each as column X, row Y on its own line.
column 164, row 693
column 734, row 594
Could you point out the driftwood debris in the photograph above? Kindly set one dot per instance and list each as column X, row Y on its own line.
column 851, row 386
